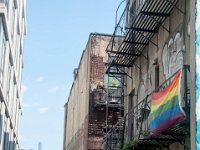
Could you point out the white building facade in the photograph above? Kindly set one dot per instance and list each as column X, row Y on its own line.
column 12, row 32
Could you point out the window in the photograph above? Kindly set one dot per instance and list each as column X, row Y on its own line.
column 131, row 132
column 13, row 23
column 19, row 67
column 130, row 116
column 16, row 113
column 6, row 2
column 1, row 127
column 13, row 100
column 6, row 141
column 131, row 100
column 157, row 77
column 2, row 49
column 9, row 78
column 2, row 65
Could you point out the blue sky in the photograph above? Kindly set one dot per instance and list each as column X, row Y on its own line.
column 57, row 32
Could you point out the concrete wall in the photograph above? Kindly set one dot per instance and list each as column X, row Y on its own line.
column 78, row 101
column 77, row 112
column 172, row 52
column 192, row 74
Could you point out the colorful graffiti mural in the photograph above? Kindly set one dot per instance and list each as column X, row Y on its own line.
column 198, row 75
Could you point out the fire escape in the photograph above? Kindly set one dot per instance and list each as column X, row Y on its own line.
column 106, row 94
column 142, row 138
column 132, row 34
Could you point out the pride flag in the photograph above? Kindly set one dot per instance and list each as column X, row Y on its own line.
column 165, row 106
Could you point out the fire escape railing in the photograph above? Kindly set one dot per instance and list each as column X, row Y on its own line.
column 112, row 97
column 135, row 30
column 141, row 131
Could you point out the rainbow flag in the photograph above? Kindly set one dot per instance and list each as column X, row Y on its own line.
column 165, row 106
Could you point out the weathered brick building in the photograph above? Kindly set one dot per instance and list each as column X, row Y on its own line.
column 88, row 112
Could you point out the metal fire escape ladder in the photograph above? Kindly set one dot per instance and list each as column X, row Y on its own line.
column 125, row 46
column 149, row 16
column 115, row 91
column 145, row 140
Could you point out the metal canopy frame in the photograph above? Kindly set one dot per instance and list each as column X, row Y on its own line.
column 146, row 22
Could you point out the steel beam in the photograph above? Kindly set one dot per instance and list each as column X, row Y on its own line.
column 155, row 14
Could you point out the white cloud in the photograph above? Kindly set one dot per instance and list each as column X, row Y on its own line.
column 64, row 89
column 25, row 105
column 62, row 108
column 54, row 89
column 36, row 104
column 21, row 138
column 40, row 79
column 24, row 89
column 43, row 109
column 67, row 89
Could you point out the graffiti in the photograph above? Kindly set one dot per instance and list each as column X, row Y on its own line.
column 172, row 55
column 142, row 89
column 197, row 75
column 145, row 84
